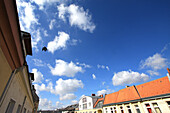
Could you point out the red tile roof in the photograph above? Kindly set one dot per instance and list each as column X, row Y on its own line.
column 149, row 89
column 154, row 88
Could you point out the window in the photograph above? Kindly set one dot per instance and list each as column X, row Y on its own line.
column 106, row 110
column 168, row 102
column 80, row 106
column 84, row 106
column 137, row 109
column 89, row 104
column 129, row 110
column 121, row 108
column 18, row 109
column 10, row 106
column 84, row 99
column 114, row 109
column 156, row 107
column 148, row 108
column 111, row 109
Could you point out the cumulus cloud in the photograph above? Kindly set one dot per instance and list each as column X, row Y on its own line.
column 63, row 88
column 154, row 62
column 103, row 67
column 76, row 16
column 70, row 96
column 63, row 68
column 52, row 22
column 128, row 77
column 37, row 75
column 59, row 42
column 38, row 62
column 103, row 92
column 67, row 86
column 46, row 104
column 94, row 76
column 74, row 101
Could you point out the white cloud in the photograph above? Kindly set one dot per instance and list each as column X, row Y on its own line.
column 44, row 3
column 152, row 72
column 59, row 104
column 154, row 62
column 38, row 62
column 59, row 42
column 37, row 75
column 62, row 10
column 74, row 42
column 103, row 67
column 165, row 48
column 83, row 65
column 94, row 76
column 67, row 86
column 63, row 88
column 52, row 22
column 46, row 104
column 128, row 77
column 74, row 101
column 69, row 96
column 77, row 17
column 45, row 33
column 26, row 14
column 63, row 68
column 103, row 83
column 103, row 92
column 29, row 21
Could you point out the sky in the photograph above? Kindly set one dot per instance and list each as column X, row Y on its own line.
column 94, row 46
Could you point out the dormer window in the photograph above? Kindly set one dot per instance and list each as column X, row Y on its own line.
column 84, row 99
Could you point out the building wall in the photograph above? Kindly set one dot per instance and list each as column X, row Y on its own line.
column 5, row 71
column 100, row 110
column 162, row 104
column 17, row 91
column 89, row 100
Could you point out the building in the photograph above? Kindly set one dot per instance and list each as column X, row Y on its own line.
column 90, row 104
column 150, row 97
column 70, row 109
column 17, row 94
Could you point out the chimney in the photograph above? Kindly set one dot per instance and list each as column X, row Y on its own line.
column 92, row 94
column 101, row 96
column 127, row 86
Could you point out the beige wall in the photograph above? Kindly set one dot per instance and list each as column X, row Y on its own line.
column 17, row 91
column 5, row 72
column 161, row 104
column 90, row 110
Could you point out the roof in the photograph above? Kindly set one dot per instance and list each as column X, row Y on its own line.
column 100, row 99
column 155, row 87
column 135, row 93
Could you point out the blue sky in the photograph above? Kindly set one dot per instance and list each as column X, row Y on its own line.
column 94, row 46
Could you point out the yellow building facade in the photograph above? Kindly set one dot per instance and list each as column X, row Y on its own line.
column 17, row 94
